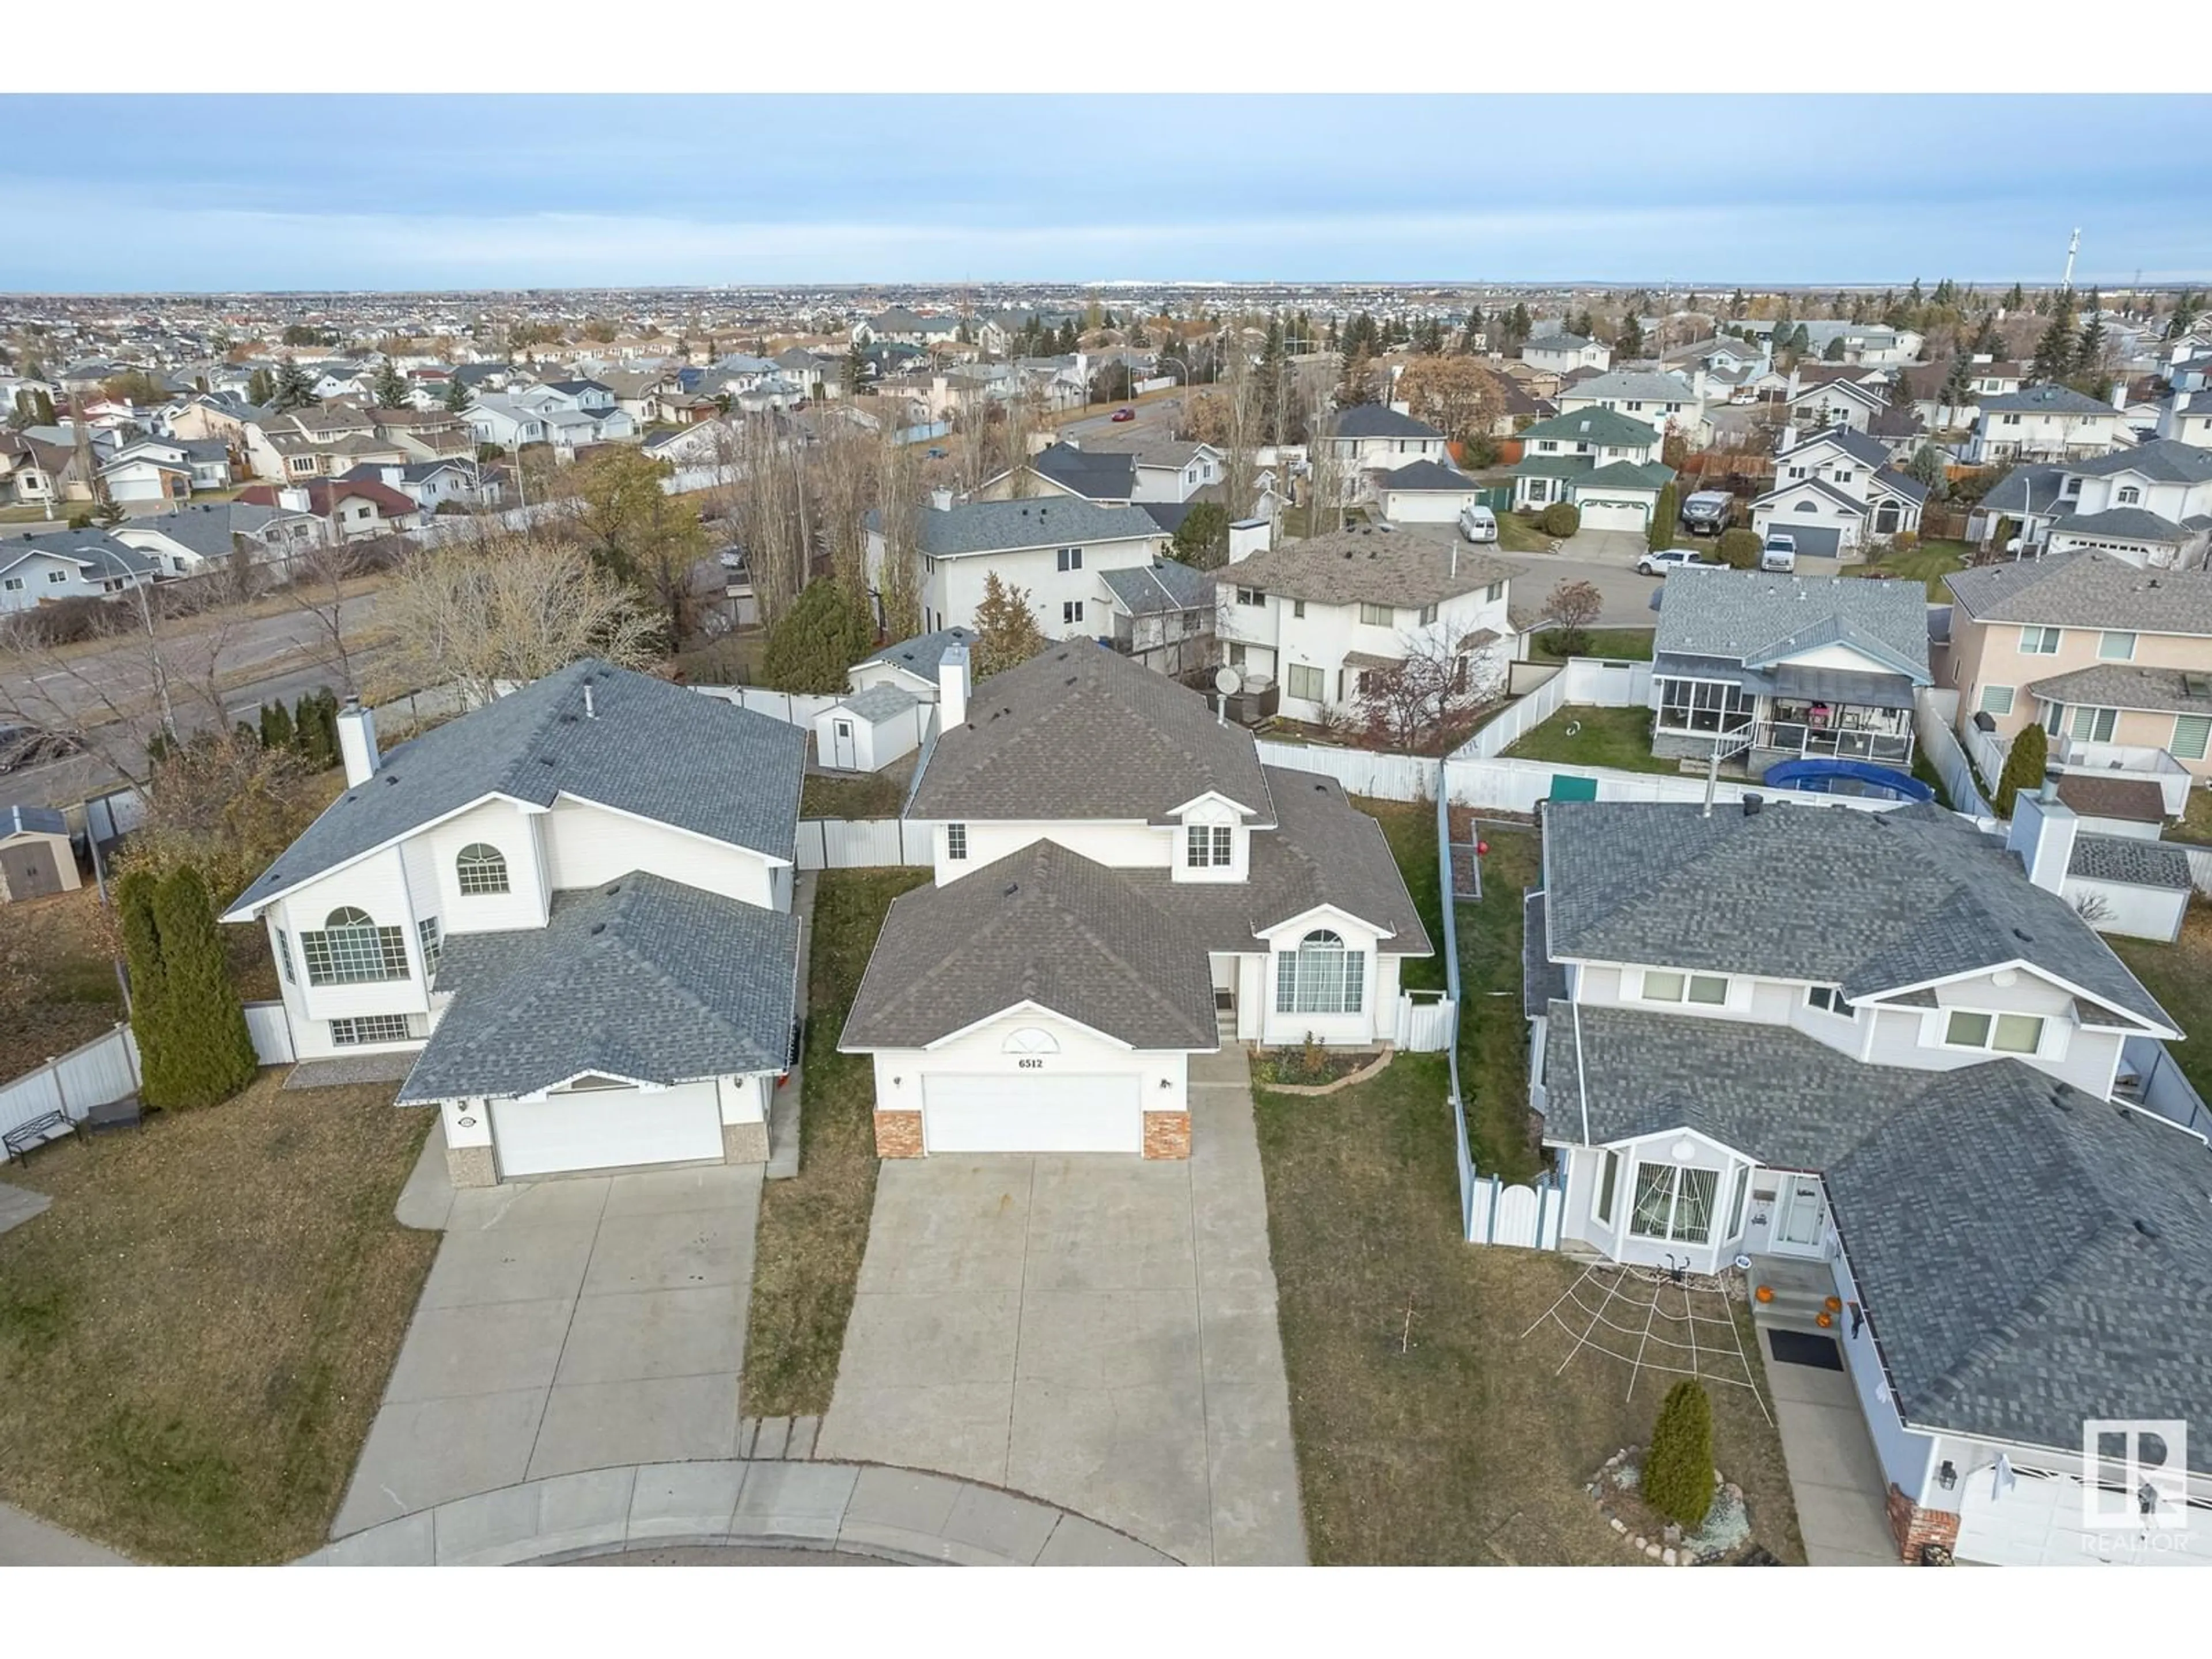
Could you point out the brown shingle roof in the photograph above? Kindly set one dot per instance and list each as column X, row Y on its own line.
column 1365, row 566
column 2136, row 800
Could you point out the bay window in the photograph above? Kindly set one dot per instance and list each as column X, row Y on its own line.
column 1674, row 1204
column 1321, row 977
column 351, row 949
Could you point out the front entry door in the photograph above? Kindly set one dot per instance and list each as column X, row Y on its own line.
column 1804, row 1213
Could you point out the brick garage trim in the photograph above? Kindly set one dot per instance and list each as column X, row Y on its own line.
column 898, row 1134
column 1912, row 1526
column 1167, row 1134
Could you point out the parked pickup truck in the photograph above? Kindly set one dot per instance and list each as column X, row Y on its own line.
column 1780, row 553
column 1662, row 563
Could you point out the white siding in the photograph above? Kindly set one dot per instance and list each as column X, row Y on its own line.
column 1116, row 846
column 586, row 846
column 514, row 832
column 982, row 1051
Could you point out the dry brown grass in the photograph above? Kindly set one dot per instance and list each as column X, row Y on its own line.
column 814, row 1227
column 62, row 985
column 194, row 1338
column 1429, row 1430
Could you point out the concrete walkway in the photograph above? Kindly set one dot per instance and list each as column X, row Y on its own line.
column 896, row 1515
column 1834, row 1475
column 783, row 1111
column 18, row 1205
column 27, row 1541
column 1098, row 1331
column 567, row 1325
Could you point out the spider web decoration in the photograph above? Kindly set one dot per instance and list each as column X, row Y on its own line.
column 1648, row 1320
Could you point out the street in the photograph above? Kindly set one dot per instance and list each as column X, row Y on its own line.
column 1605, row 559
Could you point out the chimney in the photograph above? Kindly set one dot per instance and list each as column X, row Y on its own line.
column 2120, row 393
column 1248, row 537
column 2042, row 833
column 952, row 688
column 1789, row 441
column 1795, row 386
column 941, row 499
column 1698, row 384
column 2180, row 402
column 292, row 498
column 357, row 742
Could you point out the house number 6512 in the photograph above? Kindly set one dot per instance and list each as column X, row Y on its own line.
column 1030, row 1065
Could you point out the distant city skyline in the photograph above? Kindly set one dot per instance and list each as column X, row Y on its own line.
column 208, row 193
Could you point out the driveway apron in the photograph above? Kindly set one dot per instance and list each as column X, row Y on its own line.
column 1094, row 1331
column 567, row 1324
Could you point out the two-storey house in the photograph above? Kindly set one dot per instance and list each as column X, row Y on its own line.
column 1318, row 618
column 1835, row 492
column 2046, row 424
column 2113, row 661
column 1377, row 438
column 1664, row 402
column 1769, row 668
column 1563, row 353
column 1606, row 463
column 1875, row 1063
column 1119, row 884
column 1054, row 548
column 2150, row 505
column 564, row 919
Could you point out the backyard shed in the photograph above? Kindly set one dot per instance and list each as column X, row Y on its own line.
column 869, row 729
column 35, row 856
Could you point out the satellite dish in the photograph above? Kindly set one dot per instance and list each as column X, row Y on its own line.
column 1227, row 679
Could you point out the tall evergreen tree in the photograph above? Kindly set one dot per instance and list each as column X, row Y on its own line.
column 150, row 984
column 260, row 387
column 2016, row 300
column 1988, row 342
column 458, row 398
column 211, row 1056
column 825, row 631
column 295, row 387
column 276, row 726
column 390, row 386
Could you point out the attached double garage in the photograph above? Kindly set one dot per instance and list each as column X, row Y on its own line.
column 1608, row 512
column 2040, row 1518
column 1031, row 1082
column 607, row 1124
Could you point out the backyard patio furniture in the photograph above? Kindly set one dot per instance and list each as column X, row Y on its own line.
column 35, row 1131
column 124, row 1114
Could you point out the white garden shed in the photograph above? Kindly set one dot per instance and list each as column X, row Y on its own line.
column 35, row 858
column 869, row 729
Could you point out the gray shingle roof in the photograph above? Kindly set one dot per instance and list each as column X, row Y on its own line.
column 2027, row 490
column 1427, row 475
column 1323, row 850
column 2130, row 859
column 92, row 548
column 2029, row 1256
column 1043, row 925
column 1371, row 567
column 2044, row 400
column 2120, row 685
column 2133, row 524
column 1378, row 421
column 1040, row 522
column 1752, row 618
column 2086, row 589
column 1873, row 901
column 920, row 654
column 881, row 702
column 1857, row 445
column 1162, row 586
column 1543, row 981
column 1630, row 384
column 1079, row 731
column 1096, row 477
column 650, row 748
column 2164, row 460
column 643, row 979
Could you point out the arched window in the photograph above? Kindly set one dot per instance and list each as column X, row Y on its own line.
column 1030, row 1041
column 1320, row 976
column 2130, row 494
column 349, row 948
column 482, row 868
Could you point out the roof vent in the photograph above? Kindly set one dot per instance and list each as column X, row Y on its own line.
column 2023, row 937
column 2148, row 1229
column 392, row 777
column 598, row 928
column 1013, row 888
column 2058, row 1099
column 1752, row 803
column 611, row 889
column 547, row 760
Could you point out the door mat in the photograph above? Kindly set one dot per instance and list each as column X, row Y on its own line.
column 1805, row 1348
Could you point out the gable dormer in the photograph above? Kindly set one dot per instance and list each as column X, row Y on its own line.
column 1212, row 839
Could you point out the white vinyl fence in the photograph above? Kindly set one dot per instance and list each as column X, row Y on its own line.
column 793, row 707
column 863, row 844
column 1529, row 1217
column 2161, row 1087
column 1428, row 1021
column 1600, row 683
column 1934, row 714
column 1515, row 786
column 104, row 1069
column 1361, row 771
column 271, row 1033
column 2199, row 868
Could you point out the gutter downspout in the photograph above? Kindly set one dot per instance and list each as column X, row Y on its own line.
column 1582, row 1081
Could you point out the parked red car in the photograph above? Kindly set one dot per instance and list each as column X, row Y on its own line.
column 1124, row 414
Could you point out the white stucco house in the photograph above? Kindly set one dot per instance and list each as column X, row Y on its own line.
column 1378, row 438
column 1054, row 548
column 563, row 919
column 1879, row 1057
column 1835, row 494
column 1657, row 400
column 1563, row 353
column 2047, row 423
column 1606, row 464
column 1317, row 618
column 1120, row 885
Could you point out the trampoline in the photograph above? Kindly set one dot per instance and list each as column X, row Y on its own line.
column 1847, row 777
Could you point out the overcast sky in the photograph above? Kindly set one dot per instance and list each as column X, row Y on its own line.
column 140, row 193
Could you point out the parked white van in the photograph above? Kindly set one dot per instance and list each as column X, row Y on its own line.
column 1478, row 524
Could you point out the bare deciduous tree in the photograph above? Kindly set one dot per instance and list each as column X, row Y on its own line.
column 898, row 579
column 1406, row 702
column 511, row 607
column 763, row 497
column 323, row 580
column 1325, row 477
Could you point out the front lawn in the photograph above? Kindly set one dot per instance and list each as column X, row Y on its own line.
column 1429, row 1430
column 814, row 1227
column 1929, row 562
column 1516, row 534
column 194, row 1338
column 1615, row 644
column 1619, row 738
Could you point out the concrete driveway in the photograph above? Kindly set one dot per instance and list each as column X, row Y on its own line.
column 1619, row 549
column 567, row 1324
column 1627, row 596
column 1834, row 1474
column 1096, row 1332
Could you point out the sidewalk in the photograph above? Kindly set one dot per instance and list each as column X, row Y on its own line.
column 27, row 1541
column 895, row 1515
column 1833, row 1472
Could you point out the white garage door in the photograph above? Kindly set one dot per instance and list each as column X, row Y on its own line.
column 2036, row 1521
column 1032, row 1113
column 1611, row 515
column 607, row 1128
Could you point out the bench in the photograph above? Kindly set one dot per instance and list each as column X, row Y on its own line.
column 35, row 1132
